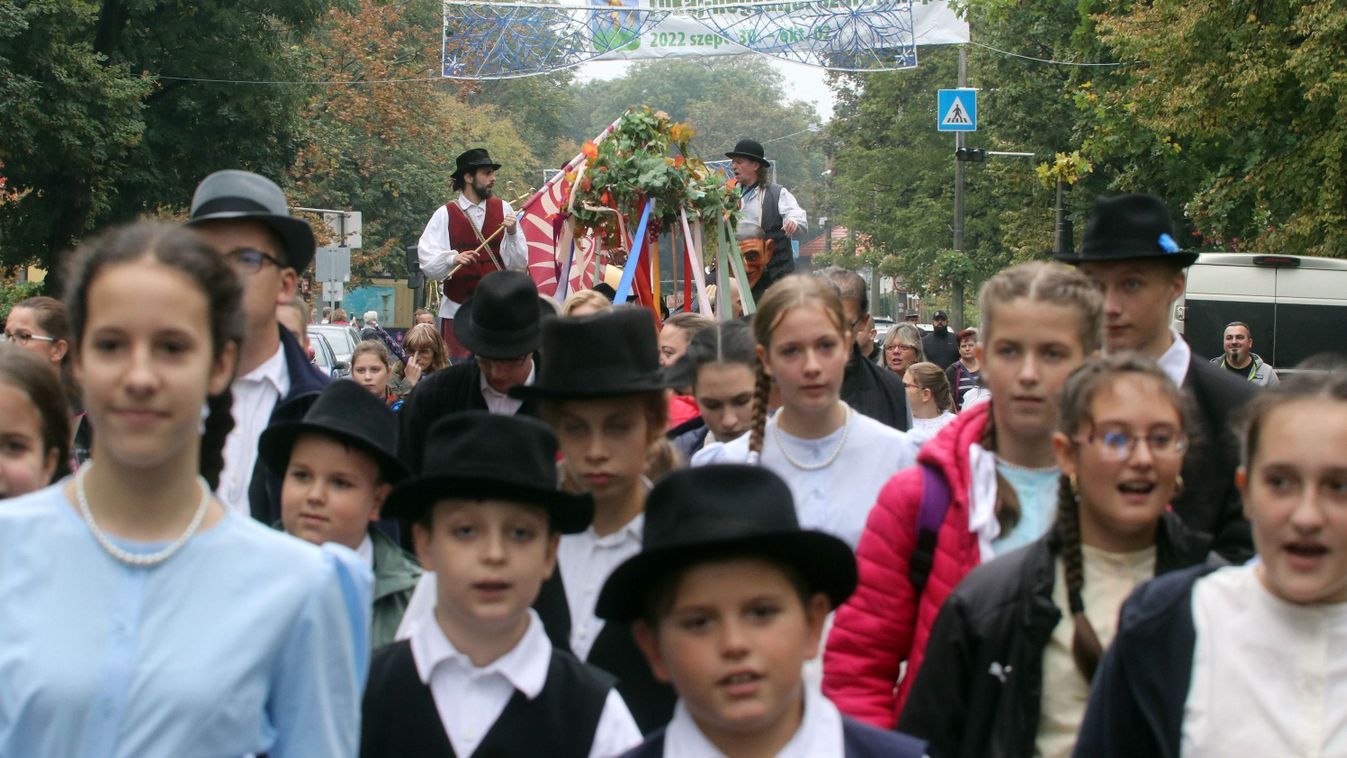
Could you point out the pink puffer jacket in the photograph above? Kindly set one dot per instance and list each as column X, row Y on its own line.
column 882, row 624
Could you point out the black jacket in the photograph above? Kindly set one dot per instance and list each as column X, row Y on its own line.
column 451, row 390
column 1136, row 704
column 941, row 349
column 875, row 392
column 1209, row 501
column 979, row 689
column 782, row 263
column 306, row 384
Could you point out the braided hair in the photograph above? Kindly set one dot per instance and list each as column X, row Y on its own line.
column 188, row 253
column 1078, row 395
column 780, row 298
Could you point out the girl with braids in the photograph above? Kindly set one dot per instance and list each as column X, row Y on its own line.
column 721, row 366
column 1021, row 636
column 834, row 459
column 929, row 397
column 986, row 484
column 141, row 617
column 1249, row 659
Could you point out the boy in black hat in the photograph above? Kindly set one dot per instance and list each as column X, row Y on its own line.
column 337, row 470
column 476, row 232
column 480, row 677
column 500, row 324
column 1129, row 250
column 728, row 598
column 768, row 205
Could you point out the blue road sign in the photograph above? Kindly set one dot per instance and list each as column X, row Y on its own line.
column 956, row 110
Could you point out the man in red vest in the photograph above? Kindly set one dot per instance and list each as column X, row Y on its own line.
column 469, row 238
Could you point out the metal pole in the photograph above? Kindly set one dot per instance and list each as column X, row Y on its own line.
column 957, row 293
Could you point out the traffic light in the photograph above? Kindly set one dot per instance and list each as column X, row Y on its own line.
column 973, row 154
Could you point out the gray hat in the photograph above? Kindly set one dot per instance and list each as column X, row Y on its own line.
column 243, row 195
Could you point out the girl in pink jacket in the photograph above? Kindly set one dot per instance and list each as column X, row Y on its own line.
column 987, row 484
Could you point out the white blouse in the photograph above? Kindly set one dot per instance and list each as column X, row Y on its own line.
column 1269, row 677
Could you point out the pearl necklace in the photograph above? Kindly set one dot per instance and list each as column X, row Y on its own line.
column 139, row 559
column 846, row 429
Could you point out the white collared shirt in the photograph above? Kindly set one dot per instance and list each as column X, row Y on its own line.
column 469, row 699
column 750, row 207
column 255, row 396
column 819, row 735
column 1174, row 362
column 500, row 403
column 586, row 560
column 366, row 551
column 437, row 255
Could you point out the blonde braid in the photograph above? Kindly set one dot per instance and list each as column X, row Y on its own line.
column 761, row 392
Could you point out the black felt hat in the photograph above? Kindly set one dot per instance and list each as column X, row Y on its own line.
column 478, row 455
column 1129, row 227
column 747, row 148
column 717, row 511
column 345, row 411
column 233, row 195
column 471, row 160
column 598, row 355
column 503, row 317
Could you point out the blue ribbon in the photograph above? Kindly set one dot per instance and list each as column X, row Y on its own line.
column 637, row 244
column 1168, row 244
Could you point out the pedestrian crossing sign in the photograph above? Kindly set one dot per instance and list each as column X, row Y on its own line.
column 956, row 110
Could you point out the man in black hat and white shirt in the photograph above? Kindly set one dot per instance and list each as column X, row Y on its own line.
column 467, row 232
column 769, row 206
column 1130, row 252
column 500, row 324
column 245, row 216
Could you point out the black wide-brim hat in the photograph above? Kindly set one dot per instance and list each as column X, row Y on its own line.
column 720, row 512
column 477, row 455
column 233, row 195
column 1129, row 227
column 598, row 355
column 503, row 317
column 750, row 149
column 471, row 160
column 347, row 412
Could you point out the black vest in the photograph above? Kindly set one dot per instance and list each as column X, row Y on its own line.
column 399, row 718
column 782, row 263
column 451, row 390
column 858, row 741
column 650, row 701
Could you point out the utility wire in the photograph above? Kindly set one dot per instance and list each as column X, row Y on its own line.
column 1050, row 61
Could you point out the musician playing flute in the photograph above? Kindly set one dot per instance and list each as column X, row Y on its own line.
column 469, row 238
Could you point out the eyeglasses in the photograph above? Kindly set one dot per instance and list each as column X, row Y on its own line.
column 895, row 348
column 23, row 338
column 1118, row 445
column 912, row 386
column 249, row 260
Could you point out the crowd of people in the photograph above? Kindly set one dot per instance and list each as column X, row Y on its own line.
column 575, row 529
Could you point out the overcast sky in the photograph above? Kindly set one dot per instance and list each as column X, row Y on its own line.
column 806, row 82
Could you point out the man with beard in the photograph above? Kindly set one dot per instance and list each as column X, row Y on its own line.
column 769, row 206
column 469, row 238
column 1239, row 358
column 941, row 346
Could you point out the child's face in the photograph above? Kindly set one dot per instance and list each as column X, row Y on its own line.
column 604, row 443
column 371, row 373
column 491, row 558
column 1295, row 495
column 145, row 363
column 1121, row 500
column 1030, row 353
column 24, row 466
column 733, row 645
column 331, row 492
column 724, row 394
column 807, row 356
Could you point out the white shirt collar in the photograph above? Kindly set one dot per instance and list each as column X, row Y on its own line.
column 272, row 371
column 464, row 203
column 366, row 551
column 820, row 732
column 490, row 393
column 631, row 531
column 1175, row 360
column 524, row 666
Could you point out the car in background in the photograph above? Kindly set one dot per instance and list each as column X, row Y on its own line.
column 326, row 359
column 342, row 337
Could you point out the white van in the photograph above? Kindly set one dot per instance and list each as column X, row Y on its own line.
column 1295, row 305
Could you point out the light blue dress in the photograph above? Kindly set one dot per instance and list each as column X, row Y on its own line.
column 245, row 641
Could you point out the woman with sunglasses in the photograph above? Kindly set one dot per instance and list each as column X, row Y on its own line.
column 1022, row 635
